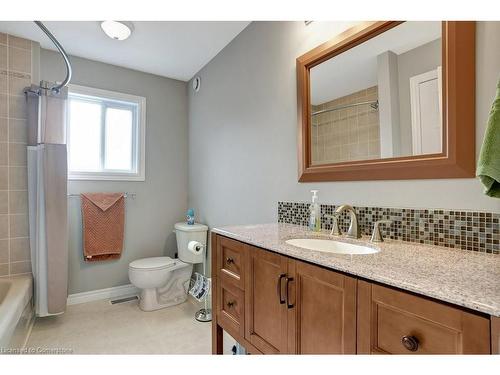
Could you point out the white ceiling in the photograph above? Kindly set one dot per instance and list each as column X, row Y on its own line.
column 356, row 69
column 174, row 49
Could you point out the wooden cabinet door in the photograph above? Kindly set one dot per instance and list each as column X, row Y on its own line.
column 265, row 313
column 391, row 321
column 323, row 317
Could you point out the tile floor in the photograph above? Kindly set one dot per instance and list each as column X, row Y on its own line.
column 101, row 328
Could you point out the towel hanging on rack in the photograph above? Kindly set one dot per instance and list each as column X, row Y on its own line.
column 488, row 166
column 103, row 217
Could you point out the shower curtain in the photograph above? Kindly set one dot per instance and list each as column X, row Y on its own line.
column 47, row 199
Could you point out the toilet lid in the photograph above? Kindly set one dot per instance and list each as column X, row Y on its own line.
column 154, row 263
column 185, row 227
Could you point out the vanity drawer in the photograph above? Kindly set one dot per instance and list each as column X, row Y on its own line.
column 231, row 261
column 231, row 309
column 391, row 321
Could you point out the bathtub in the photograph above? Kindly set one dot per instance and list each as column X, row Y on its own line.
column 16, row 311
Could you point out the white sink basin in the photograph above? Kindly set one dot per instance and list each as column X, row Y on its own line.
column 331, row 246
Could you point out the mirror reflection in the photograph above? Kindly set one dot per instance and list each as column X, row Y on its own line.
column 380, row 99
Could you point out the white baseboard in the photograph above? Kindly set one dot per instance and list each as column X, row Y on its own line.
column 96, row 295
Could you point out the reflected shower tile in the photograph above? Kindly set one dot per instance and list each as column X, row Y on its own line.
column 4, row 269
column 3, row 129
column 17, row 83
column 4, row 251
column 17, row 268
column 3, row 82
column 18, row 131
column 15, row 41
column 4, row 150
column 18, row 225
column 374, row 148
column 373, row 133
column 19, row 60
column 18, row 202
column 18, row 178
column 17, row 107
column 4, row 198
column 364, row 135
column 4, row 104
column 3, row 57
column 17, row 154
column 4, row 226
column 353, row 135
column 19, row 249
column 4, row 179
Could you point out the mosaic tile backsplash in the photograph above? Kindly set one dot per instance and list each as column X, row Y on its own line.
column 467, row 230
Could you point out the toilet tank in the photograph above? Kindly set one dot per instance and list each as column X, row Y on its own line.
column 186, row 233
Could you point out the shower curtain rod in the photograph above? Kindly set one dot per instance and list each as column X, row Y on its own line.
column 57, row 87
column 373, row 104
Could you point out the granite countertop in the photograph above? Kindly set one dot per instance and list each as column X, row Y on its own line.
column 459, row 277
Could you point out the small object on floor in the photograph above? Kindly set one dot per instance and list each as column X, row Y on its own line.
column 201, row 287
column 237, row 349
column 203, row 315
column 200, row 291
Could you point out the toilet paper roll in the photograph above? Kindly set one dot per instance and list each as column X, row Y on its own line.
column 195, row 247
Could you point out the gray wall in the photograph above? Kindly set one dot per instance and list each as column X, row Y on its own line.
column 243, row 132
column 161, row 199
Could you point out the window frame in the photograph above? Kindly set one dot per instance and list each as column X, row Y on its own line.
column 112, row 99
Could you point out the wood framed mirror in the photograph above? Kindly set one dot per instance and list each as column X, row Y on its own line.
column 388, row 100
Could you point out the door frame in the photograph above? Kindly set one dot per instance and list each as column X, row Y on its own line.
column 416, row 126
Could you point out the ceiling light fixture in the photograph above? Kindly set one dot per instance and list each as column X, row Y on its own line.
column 118, row 30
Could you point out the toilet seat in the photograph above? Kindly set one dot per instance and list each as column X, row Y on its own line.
column 154, row 263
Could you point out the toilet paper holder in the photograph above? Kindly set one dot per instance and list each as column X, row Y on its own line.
column 195, row 247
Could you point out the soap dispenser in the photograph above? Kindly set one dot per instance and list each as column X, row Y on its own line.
column 314, row 213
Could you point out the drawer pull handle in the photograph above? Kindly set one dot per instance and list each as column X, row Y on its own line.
column 229, row 260
column 280, row 297
column 288, row 304
column 230, row 303
column 410, row 343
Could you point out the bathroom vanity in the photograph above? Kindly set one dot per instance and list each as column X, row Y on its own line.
column 276, row 298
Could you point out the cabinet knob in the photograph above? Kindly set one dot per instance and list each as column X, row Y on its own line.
column 230, row 303
column 410, row 343
column 229, row 260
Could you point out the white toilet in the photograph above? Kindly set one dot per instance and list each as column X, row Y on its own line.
column 164, row 281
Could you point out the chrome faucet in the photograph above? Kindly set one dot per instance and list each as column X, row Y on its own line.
column 377, row 234
column 335, row 225
column 353, row 231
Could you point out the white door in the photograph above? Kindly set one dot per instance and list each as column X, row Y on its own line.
column 426, row 112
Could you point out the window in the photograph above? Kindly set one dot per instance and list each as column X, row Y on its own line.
column 106, row 133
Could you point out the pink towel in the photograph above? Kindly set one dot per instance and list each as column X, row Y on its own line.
column 103, row 216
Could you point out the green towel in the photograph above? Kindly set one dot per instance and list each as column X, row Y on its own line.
column 488, row 166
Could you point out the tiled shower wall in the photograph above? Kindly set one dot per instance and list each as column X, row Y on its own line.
column 467, row 230
column 349, row 133
column 15, row 74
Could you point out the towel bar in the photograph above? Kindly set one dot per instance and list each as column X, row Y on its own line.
column 125, row 195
